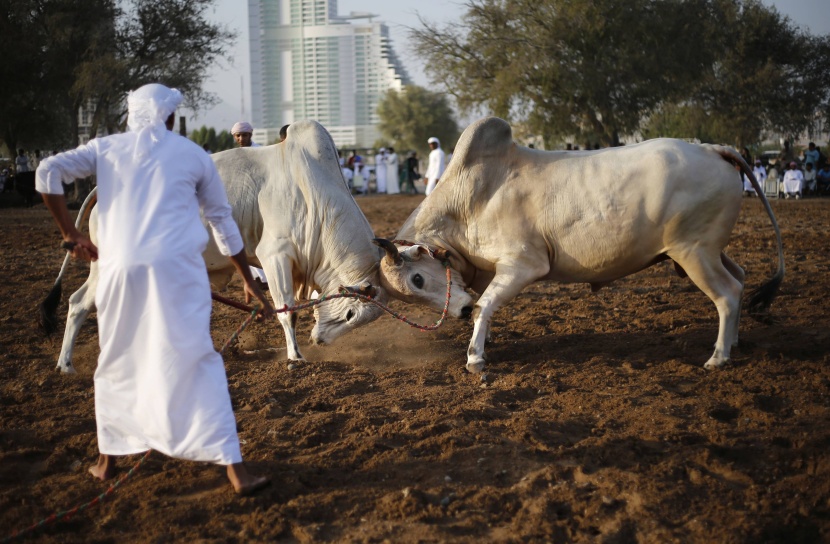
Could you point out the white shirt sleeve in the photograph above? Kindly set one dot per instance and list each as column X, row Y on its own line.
column 65, row 167
column 218, row 212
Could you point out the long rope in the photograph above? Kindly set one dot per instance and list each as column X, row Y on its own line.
column 67, row 514
column 345, row 293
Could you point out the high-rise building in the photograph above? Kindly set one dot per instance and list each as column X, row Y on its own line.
column 308, row 62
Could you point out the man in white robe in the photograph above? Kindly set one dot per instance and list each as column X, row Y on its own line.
column 242, row 133
column 793, row 182
column 393, row 186
column 380, row 170
column 760, row 174
column 160, row 384
column 436, row 164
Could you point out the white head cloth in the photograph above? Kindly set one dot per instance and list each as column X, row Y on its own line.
column 241, row 126
column 149, row 107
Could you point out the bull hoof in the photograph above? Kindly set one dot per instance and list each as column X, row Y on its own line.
column 713, row 363
column 66, row 369
column 475, row 366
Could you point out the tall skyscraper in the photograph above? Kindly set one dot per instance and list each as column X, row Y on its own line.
column 308, row 62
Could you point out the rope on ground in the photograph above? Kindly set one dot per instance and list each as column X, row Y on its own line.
column 239, row 330
column 67, row 514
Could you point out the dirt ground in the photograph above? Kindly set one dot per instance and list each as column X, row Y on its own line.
column 596, row 421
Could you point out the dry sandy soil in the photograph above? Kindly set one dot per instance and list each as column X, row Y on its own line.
column 596, row 421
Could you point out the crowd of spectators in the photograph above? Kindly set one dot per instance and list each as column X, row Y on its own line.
column 795, row 175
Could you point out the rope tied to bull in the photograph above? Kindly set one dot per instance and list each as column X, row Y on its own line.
column 344, row 293
column 67, row 514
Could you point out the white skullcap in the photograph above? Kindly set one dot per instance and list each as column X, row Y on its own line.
column 382, row 150
column 242, row 126
column 433, row 140
column 149, row 107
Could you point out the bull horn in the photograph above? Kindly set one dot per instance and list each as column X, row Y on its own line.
column 391, row 251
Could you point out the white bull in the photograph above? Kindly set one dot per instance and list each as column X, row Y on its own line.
column 506, row 216
column 294, row 209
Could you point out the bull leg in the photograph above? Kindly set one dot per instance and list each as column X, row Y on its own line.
column 711, row 275
column 739, row 274
column 81, row 303
column 507, row 283
column 278, row 268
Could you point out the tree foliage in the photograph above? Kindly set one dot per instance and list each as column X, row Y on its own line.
column 599, row 69
column 76, row 52
column 769, row 76
column 410, row 117
column 215, row 142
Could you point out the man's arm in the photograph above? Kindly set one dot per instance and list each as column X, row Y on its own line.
column 252, row 290
column 80, row 246
column 217, row 211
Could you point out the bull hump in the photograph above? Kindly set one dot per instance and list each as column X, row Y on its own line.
column 485, row 137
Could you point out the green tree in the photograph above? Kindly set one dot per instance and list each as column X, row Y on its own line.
column 584, row 68
column 63, row 53
column 44, row 41
column 215, row 142
column 597, row 69
column 166, row 41
column 410, row 117
column 768, row 76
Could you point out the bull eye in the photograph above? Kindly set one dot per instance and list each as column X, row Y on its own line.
column 418, row 281
column 349, row 315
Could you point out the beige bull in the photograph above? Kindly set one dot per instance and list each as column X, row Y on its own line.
column 506, row 216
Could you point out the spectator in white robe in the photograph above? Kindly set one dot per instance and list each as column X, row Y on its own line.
column 380, row 170
column 21, row 162
column 348, row 175
column 435, row 167
column 793, row 183
column 393, row 186
column 760, row 175
column 159, row 384
column 359, row 180
column 242, row 133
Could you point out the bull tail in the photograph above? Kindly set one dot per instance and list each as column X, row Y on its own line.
column 759, row 299
column 48, row 309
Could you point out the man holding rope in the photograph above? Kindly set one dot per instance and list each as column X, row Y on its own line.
column 160, row 384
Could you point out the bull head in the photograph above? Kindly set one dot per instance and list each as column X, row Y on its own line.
column 413, row 253
column 406, row 275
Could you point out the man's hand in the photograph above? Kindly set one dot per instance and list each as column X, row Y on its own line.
column 73, row 241
column 252, row 290
column 80, row 247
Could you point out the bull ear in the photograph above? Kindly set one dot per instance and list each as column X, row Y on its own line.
column 441, row 254
column 366, row 288
column 393, row 258
column 414, row 253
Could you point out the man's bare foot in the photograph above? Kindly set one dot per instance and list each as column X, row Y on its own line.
column 243, row 482
column 104, row 469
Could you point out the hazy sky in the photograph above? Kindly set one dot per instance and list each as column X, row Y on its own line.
column 228, row 80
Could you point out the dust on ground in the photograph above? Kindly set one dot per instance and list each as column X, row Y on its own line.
column 596, row 421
